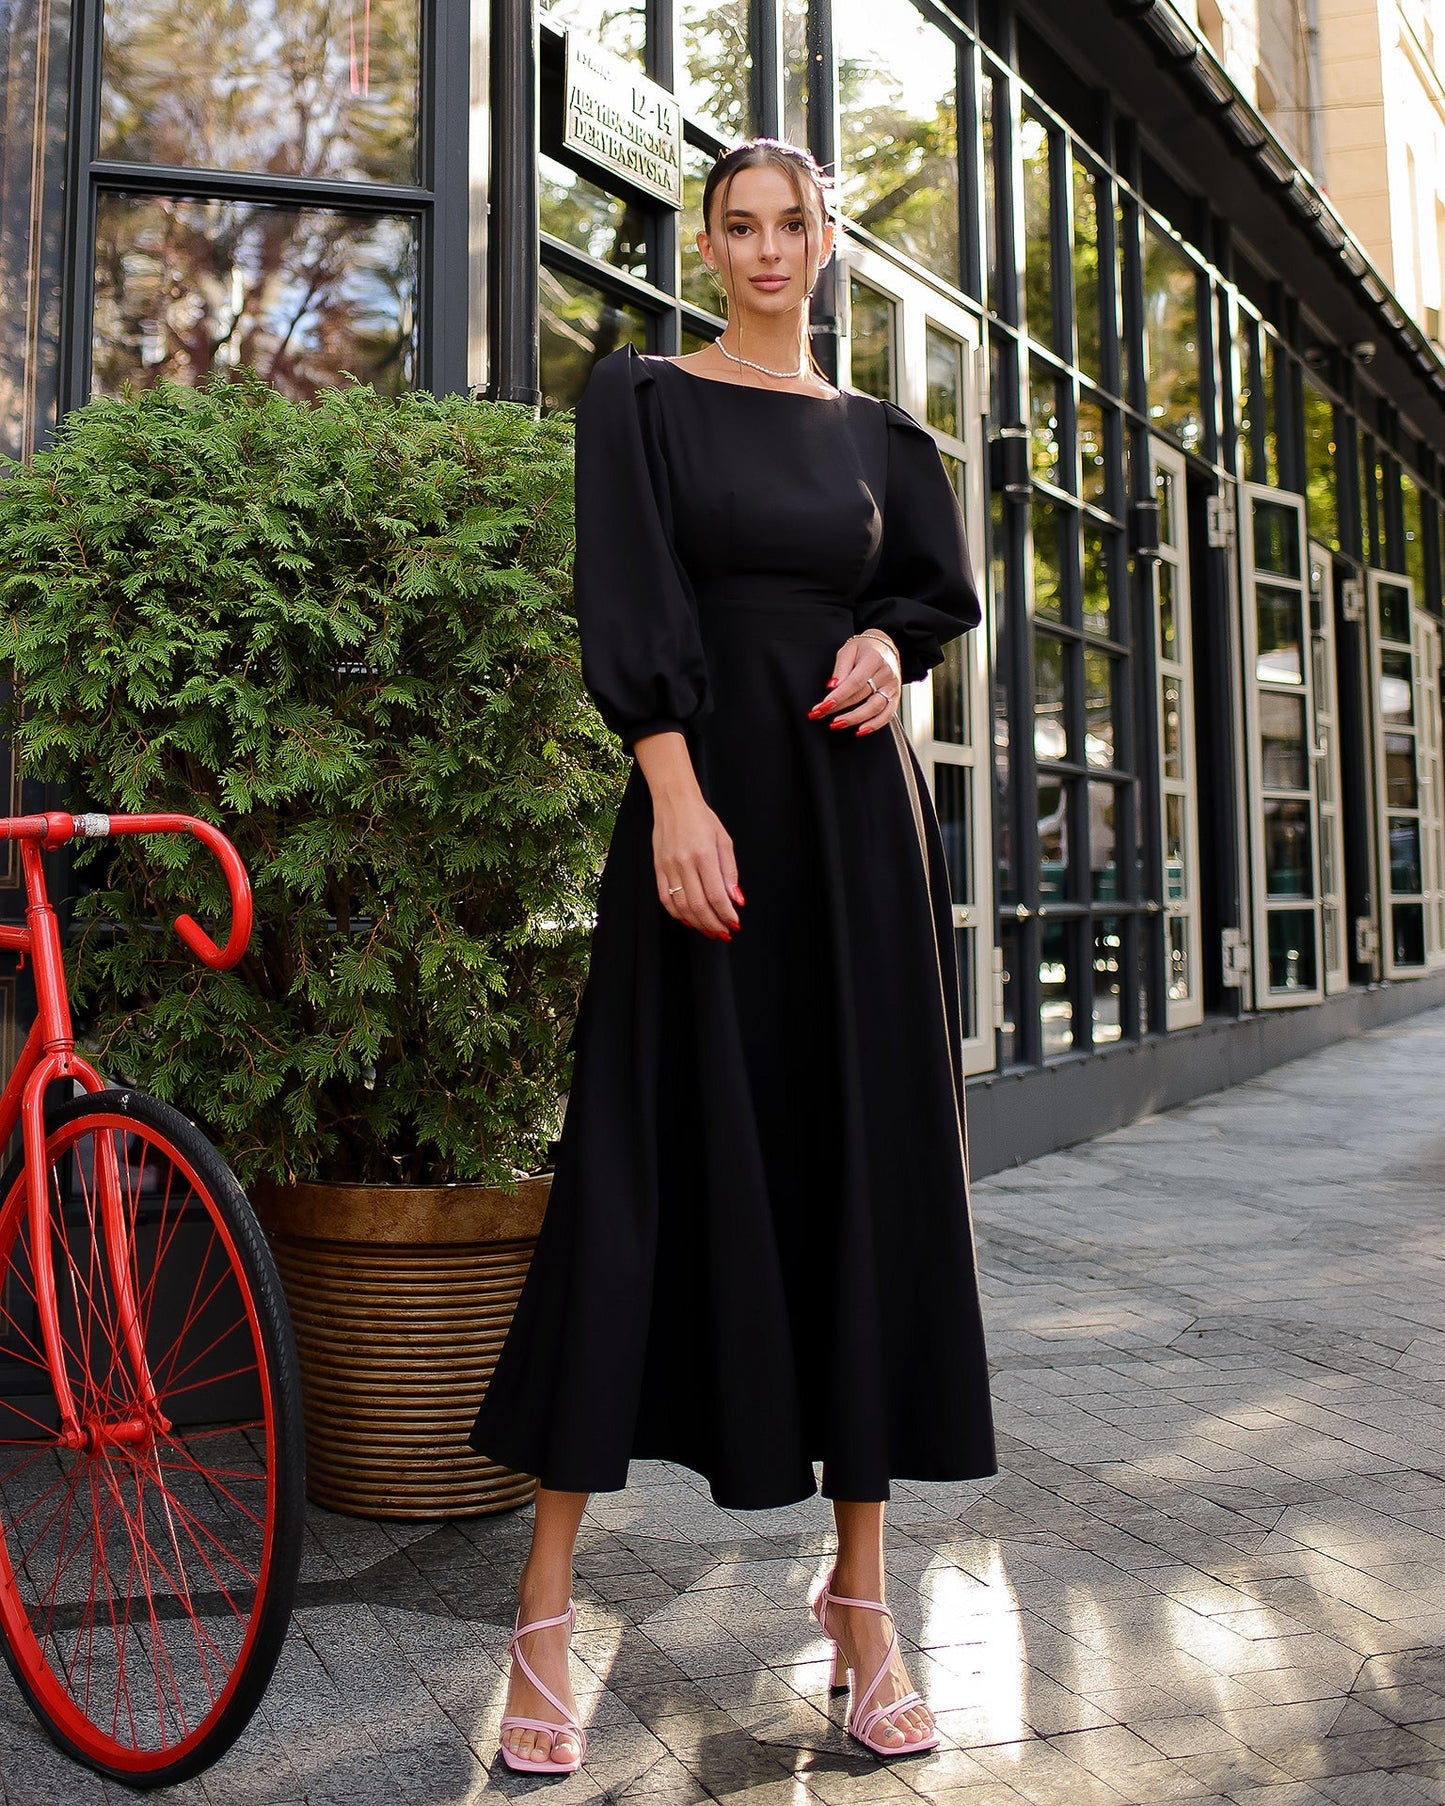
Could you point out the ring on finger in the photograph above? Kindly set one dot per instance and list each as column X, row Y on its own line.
column 674, row 889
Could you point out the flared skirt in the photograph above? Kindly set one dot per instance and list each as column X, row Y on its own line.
column 758, row 1251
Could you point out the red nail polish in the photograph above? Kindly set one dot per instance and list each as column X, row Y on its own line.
column 831, row 684
column 739, row 895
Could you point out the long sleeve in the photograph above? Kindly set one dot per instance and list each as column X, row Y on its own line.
column 923, row 591
column 642, row 656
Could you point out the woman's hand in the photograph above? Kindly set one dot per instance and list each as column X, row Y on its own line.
column 865, row 688
column 692, row 853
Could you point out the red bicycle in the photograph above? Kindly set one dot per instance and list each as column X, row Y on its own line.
column 151, row 1461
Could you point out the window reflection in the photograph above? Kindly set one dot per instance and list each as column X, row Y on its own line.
column 1103, row 860
column 1051, row 739
column 578, row 326
column 1036, row 147
column 716, row 67
column 303, row 294
column 1093, row 455
column 797, row 71
column 34, row 68
column 1053, row 837
column 898, row 112
column 952, row 789
column 1280, row 614
column 1048, row 580
column 1171, row 338
column 1108, row 981
column 1056, row 990
column 1100, row 672
column 1086, row 271
column 1285, row 762
column 302, row 89
column 1321, row 483
column 870, row 342
column 606, row 227
column 613, row 24
column 1099, row 548
column 1288, row 849
column 1044, row 412
column 1292, row 950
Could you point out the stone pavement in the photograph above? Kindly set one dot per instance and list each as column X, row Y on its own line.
column 1212, row 1568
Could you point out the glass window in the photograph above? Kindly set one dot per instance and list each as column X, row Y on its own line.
column 953, row 793
column 951, row 697
column 304, row 294
column 1053, row 837
column 1100, row 684
column 1171, row 338
column 797, row 71
column 617, row 27
column 605, row 226
column 1100, row 546
column 1045, row 423
column 1108, row 980
column 34, row 71
column 1269, row 356
column 1048, row 535
column 1279, row 613
column 1244, row 352
column 1086, row 271
column 1051, row 729
column 579, row 325
column 715, row 70
column 1103, row 848
column 1292, row 950
column 898, row 113
column 944, row 376
column 1093, row 452
column 991, row 100
column 1321, row 470
column 871, row 339
column 304, row 89
column 1414, row 538
column 1394, row 611
column 1056, row 989
column 1036, row 146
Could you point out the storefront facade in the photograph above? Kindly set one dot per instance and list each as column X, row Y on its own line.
column 1189, row 772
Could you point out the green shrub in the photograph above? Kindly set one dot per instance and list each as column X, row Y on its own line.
column 344, row 634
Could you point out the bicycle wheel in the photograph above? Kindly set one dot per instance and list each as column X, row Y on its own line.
column 146, row 1579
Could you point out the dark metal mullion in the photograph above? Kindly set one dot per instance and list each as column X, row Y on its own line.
column 1077, row 886
column 1150, row 959
column 446, row 224
column 83, row 129
column 660, row 231
column 972, row 215
column 515, row 215
column 634, row 290
column 824, row 138
column 765, row 33
column 242, row 185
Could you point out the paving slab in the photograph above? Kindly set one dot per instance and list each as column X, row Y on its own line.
column 1212, row 1567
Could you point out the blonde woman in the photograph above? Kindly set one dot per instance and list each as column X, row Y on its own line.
column 758, row 1253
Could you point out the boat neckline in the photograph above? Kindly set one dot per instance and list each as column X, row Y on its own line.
column 718, row 382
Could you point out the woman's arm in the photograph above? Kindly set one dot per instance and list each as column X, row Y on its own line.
column 692, row 853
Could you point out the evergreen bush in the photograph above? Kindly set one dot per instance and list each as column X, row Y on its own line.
column 344, row 634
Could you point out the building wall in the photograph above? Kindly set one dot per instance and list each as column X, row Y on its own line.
column 1383, row 68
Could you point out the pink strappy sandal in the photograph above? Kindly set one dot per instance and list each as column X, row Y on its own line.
column 569, row 1726
column 862, row 1723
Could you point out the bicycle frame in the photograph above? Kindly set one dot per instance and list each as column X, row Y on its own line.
column 49, row 1055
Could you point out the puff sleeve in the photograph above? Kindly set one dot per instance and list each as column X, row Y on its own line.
column 642, row 656
column 922, row 591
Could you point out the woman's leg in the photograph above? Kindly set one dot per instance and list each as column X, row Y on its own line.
column 543, row 1591
column 858, row 1573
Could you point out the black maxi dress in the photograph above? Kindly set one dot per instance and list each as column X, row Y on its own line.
column 758, row 1251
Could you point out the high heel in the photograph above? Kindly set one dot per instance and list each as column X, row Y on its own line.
column 569, row 1725
column 862, row 1723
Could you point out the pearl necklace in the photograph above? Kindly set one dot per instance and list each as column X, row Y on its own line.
column 802, row 369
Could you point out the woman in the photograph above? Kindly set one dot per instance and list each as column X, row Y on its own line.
column 757, row 1252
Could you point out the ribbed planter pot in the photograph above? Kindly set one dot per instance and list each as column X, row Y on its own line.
column 401, row 1299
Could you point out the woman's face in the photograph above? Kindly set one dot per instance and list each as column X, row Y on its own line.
column 759, row 248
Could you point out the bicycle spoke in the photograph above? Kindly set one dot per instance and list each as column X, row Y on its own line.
column 141, row 1558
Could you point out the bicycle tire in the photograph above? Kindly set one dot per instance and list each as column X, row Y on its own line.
column 220, row 1489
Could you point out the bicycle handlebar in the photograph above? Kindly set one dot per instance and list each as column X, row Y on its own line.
column 55, row 828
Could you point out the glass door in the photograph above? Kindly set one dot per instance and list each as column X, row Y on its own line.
column 1325, row 751
column 1178, row 788
column 1283, row 784
column 910, row 345
column 1432, row 786
column 1404, row 667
